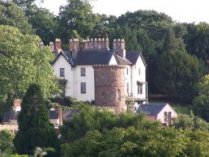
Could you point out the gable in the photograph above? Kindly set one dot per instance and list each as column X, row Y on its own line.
column 113, row 61
column 63, row 55
column 135, row 56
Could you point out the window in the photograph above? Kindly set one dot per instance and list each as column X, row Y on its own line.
column 83, row 71
column 118, row 95
column 139, row 71
column 139, row 88
column 169, row 117
column 62, row 72
column 83, row 87
column 127, row 88
column 165, row 117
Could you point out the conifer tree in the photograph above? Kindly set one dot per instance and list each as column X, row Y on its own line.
column 35, row 129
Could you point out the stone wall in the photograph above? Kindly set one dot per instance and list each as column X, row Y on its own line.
column 110, row 87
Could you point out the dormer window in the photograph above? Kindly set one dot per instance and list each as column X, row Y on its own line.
column 83, row 71
column 62, row 72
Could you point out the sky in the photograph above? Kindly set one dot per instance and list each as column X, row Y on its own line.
column 180, row 10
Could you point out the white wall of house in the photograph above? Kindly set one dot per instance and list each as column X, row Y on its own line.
column 113, row 61
column 128, row 74
column 138, row 75
column 167, row 108
column 88, row 79
column 63, row 63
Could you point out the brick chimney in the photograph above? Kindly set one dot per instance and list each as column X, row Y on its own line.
column 119, row 47
column 74, row 46
column 51, row 46
column 17, row 105
column 58, row 45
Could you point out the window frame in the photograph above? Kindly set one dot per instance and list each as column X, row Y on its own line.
column 83, row 71
column 83, row 87
column 139, row 88
column 62, row 72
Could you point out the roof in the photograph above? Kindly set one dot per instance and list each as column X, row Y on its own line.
column 93, row 57
column 151, row 109
column 53, row 114
column 122, row 61
column 133, row 56
column 66, row 55
column 10, row 115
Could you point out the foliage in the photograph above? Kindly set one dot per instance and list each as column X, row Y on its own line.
column 89, row 119
column 179, row 69
column 6, row 141
column 35, row 129
column 191, row 121
column 108, row 134
column 201, row 101
column 76, row 19
column 11, row 14
column 23, row 62
column 43, row 22
column 197, row 39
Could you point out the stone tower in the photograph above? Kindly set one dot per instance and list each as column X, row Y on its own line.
column 110, row 87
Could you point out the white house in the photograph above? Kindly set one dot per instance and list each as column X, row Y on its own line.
column 162, row 112
column 75, row 68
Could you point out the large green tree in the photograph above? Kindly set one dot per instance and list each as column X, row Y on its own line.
column 97, row 133
column 11, row 14
column 75, row 18
column 201, row 102
column 35, row 129
column 197, row 40
column 43, row 22
column 177, row 71
column 22, row 62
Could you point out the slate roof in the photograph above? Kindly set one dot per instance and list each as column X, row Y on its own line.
column 10, row 115
column 133, row 56
column 151, row 109
column 122, row 61
column 66, row 55
column 53, row 114
column 93, row 57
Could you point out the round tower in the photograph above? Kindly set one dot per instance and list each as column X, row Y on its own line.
column 110, row 87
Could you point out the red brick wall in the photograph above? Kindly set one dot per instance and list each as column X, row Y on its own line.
column 110, row 87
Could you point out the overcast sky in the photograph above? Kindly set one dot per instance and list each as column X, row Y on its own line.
column 180, row 10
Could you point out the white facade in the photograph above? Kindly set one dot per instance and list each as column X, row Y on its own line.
column 166, row 114
column 82, row 87
column 135, row 81
column 88, row 93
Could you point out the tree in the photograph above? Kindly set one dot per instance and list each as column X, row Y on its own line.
column 177, row 71
column 22, row 62
column 197, row 40
column 6, row 141
column 43, row 22
column 11, row 14
column 201, row 102
column 25, row 4
column 35, row 129
column 76, row 16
